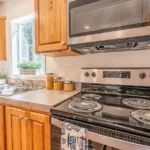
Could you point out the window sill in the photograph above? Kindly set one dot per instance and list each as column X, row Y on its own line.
column 31, row 77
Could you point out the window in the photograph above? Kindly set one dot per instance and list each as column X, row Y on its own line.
column 23, row 44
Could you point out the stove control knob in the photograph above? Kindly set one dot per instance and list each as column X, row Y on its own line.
column 87, row 74
column 142, row 75
column 93, row 74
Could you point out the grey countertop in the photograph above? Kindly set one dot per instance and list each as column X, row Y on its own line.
column 39, row 100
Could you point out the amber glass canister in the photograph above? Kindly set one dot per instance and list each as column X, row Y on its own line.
column 50, row 81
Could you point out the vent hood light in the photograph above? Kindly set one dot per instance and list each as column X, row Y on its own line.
column 87, row 27
column 86, row 50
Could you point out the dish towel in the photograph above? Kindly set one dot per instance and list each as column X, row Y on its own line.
column 73, row 137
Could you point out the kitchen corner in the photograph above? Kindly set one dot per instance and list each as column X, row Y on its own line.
column 74, row 74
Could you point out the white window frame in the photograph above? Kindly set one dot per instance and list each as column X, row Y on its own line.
column 15, row 44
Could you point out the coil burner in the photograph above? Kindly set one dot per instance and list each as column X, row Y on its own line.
column 91, row 96
column 85, row 106
column 142, row 116
column 137, row 103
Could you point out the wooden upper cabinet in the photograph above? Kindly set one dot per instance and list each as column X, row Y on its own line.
column 51, row 27
column 2, row 127
column 2, row 38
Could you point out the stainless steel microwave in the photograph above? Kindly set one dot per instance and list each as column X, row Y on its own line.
column 108, row 25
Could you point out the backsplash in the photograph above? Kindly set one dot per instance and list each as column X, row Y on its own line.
column 132, row 59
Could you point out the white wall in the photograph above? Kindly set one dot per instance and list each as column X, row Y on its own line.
column 13, row 9
column 17, row 8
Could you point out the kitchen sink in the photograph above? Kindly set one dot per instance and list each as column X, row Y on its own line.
column 10, row 90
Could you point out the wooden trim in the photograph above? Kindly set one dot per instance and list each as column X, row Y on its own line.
column 2, row 128
column 36, row 10
column 3, row 17
column 2, row 39
column 61, row 54
column 26, row 109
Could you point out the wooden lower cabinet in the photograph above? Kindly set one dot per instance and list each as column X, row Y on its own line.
column 38, row 127
column 27, row 130
column 2, row 127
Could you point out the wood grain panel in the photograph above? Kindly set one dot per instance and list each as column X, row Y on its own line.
column 39, row 129
column 38, row 140
column 16, row 133
column 26, row 130
column 51, row 27
column 15, row 129
column 49, row 21
column 2, row 128
column 2, row 38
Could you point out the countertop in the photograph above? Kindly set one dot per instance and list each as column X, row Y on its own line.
column 39, row 100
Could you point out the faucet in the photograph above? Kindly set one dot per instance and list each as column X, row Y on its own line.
column 18, row 80
column 31, row 83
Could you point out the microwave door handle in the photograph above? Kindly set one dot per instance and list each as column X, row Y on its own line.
column 105, row 140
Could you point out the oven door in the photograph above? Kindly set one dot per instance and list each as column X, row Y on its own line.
column 96, row 140
column 88, row 19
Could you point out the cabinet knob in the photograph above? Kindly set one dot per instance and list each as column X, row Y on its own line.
column 20, row 117
column 63, row 43
column 27, row 118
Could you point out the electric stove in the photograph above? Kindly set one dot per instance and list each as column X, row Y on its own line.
column 113, row 103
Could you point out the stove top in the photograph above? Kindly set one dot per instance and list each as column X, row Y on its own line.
column 125, row 111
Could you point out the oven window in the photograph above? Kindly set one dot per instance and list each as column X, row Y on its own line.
column 97, row 16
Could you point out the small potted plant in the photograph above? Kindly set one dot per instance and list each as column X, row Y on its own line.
column 3, row 79
column 28, row 68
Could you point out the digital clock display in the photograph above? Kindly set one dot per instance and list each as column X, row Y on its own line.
column 117, row 74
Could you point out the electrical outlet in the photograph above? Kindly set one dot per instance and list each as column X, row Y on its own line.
column 66, row 71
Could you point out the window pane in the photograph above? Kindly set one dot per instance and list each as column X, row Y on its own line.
column 23, row 41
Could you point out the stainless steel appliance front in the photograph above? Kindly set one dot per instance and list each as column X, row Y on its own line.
column 95, row 23
column 96, row 139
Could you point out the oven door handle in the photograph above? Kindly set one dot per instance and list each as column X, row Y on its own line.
column 105, row 140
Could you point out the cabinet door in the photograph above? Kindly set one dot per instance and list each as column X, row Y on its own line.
column 2, row 128
column 15, row 129
column 38, row 129
column 51, row 34
column 2, row 38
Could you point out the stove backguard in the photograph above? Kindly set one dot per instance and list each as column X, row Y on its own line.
column 127, row 77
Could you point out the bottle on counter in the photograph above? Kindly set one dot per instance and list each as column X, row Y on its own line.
column 58, row 84
column 68, row 86
column 50, row 81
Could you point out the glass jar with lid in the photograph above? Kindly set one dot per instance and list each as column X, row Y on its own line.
column 50, row 81
column 58, row 84
column 68, row 86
